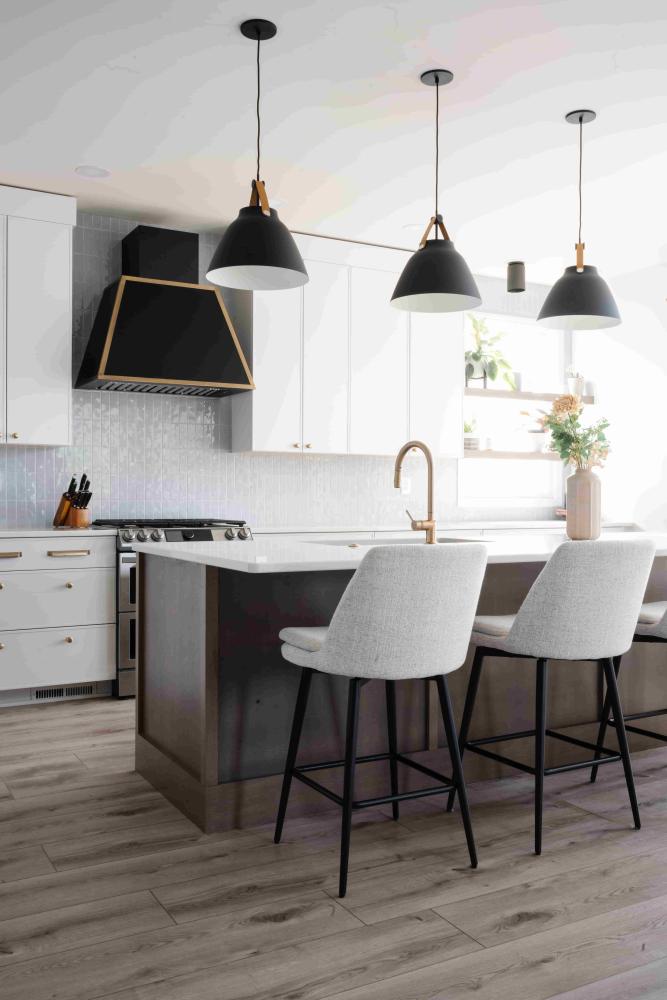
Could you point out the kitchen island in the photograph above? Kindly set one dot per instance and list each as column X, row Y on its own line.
column 215, row 697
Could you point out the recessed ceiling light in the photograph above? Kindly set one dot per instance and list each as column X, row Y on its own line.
column 91, row 172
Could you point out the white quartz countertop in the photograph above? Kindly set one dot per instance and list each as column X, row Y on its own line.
column 289, row 555
column 55, row 532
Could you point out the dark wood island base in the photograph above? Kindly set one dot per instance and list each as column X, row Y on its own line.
column 215, row 697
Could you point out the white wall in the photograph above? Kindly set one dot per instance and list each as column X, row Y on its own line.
column 629, row 365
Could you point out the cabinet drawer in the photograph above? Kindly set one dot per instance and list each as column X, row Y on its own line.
column 60, row 552
column 60, row 597
column 37, row 657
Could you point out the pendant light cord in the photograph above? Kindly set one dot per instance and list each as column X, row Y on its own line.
column 257, row 107
column 437, row 146
column 581, row 156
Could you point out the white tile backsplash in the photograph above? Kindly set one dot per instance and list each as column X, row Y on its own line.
column 160, row 456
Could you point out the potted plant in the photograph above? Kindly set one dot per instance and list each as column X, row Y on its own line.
column 470, row 439
column 585, row 448
column 576, row 383
column 485, row 360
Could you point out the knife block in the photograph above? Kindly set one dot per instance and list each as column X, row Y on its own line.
column 77, row 518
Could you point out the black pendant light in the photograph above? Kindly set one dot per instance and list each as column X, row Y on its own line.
column 257, row 251
column 581, row 299
column 436, row 278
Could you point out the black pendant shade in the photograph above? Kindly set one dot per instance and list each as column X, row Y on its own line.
column 436, row 279
column 257, row 252
column 580, row 300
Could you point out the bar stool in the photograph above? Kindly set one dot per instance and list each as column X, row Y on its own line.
column 583, row 606
column 406, row 613
column 651, row 627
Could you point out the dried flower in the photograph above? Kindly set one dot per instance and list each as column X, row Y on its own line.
column 567, row 404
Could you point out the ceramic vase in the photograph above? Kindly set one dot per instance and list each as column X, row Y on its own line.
column 583, row 505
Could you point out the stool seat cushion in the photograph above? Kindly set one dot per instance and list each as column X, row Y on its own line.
column 491, row 630
column 302, row 645
column 309, row 638
column 652, row 620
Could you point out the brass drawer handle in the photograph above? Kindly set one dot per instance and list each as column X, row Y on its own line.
column 2, row 645
column 69, row 585
column 2, row 586
column 64, row 553
column 69, row 639
column 15, row 435
column 10, row 555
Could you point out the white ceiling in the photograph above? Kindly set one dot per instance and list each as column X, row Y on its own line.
column 162, row 94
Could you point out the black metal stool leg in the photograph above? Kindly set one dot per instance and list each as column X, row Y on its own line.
column 348, row 780
column 390, row 688
column 619, row 722
column 604, row 720
column 295, row 736
column 471, row 695
column 540, row 734
column 457, row 769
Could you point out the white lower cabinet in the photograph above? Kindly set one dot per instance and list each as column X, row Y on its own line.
column 57, row 610
column 45, row 656
column 46, row 600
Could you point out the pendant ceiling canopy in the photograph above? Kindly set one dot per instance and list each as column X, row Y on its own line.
column 257, row 251
column 580, row 299
column 436, row 278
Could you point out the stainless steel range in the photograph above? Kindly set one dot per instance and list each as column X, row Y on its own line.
column 153, row 530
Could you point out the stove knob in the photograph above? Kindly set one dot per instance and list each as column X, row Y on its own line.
column 157, row 535
column 142, row 535
column 127, row 535
column 244, row 532
column 230, row 534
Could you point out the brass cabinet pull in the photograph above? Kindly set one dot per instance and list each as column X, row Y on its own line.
column 297, row 445
column 2, row 586
column 15, row 435
column 65, row 553
column 69, row 639
column 2, row 645
column 309, row 446
column 69, row 585
column 10, row 555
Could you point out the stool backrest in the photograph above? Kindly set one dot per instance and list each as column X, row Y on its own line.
column 585, row 603
column 407, row 611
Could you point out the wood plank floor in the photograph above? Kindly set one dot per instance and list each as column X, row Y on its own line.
column 107, row 891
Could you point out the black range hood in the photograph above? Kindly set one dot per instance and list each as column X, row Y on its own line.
column 157, row 330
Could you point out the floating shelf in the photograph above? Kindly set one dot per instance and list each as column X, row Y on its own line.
column 516, row 394
column 535, row 456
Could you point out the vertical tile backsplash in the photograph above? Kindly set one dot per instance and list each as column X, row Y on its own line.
column 160, row 456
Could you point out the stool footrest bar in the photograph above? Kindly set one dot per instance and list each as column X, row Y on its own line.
column 499, row 758
column 562, row 768
column 576, row 742
column 421, row 767
column 501, row 739
column 419, row 793
column 646, row 732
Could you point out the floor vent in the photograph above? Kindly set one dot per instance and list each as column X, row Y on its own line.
column 59, row 692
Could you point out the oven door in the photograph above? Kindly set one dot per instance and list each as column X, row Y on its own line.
column 127, row 582
column 127, row 655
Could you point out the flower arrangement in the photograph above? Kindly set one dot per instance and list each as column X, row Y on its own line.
column 577, row 445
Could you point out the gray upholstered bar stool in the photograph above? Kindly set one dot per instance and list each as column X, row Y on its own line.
column 406, row 613
column 583, row 606
column 651, row 627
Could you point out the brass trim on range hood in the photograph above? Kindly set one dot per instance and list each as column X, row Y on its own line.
column 103, row 375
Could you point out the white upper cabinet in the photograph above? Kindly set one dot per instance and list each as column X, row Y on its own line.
column 338, row 370
column 268, row 418
column 379, row 365
column 326, row 358
column 36, row 280
column 436, row 381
